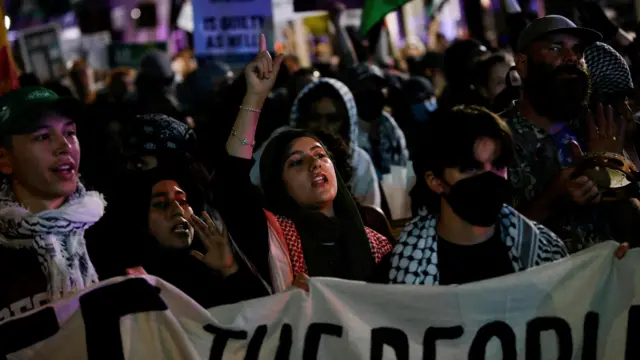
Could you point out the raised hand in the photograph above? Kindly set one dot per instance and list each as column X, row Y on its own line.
column 621, row 251
column 605, row 134
column 218, row 256
column 261, row 73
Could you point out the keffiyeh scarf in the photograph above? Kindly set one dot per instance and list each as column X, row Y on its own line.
column 57, row 236
column 415, row 256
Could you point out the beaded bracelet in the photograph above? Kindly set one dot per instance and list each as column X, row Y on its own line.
column 258, row 111
column 243, row 141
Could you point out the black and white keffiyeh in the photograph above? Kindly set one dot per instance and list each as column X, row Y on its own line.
column 415, row 257
column 609, row 71
column 57, row 236
column 154, row 133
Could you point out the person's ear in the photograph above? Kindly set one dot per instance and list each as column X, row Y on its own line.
column 433, row 182
column 5, row 163
column 521, row 65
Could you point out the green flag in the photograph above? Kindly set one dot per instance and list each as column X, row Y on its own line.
column 375, row 10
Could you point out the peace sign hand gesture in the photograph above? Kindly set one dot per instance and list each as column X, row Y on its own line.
column 261, row 73
column 219, row 256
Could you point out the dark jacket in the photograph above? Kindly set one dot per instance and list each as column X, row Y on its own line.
column 22, row 282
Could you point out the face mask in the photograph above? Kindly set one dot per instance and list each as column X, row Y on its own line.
column 421, row 111
column 479, row 199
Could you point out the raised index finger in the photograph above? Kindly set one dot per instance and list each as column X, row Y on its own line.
column 263, row 43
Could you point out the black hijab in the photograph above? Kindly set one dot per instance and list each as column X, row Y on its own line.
column 314, row 228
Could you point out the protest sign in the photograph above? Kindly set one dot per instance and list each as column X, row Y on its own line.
column 130, row 55
column 41, row 52
column 96, row 46
column 313, row 5
column 584, row 307
column 229, row 30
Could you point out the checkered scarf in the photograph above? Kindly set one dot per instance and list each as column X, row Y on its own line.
column 153, row 133
column 57, row 236
column 609, row 71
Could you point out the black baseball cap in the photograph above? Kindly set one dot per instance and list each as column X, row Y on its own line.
column 21, row 110
column 555, row 24
column 362, row 76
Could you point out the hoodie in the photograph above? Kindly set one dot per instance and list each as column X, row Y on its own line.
column 364, row 184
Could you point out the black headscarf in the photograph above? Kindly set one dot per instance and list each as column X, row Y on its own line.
column 128, row 213
column 130, row 243
column 357, row 261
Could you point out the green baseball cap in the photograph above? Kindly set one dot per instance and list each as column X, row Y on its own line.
column 21, row 110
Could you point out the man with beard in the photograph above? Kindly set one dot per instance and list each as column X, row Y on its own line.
column 555, row 93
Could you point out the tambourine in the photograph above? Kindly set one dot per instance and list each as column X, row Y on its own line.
column 615, row 176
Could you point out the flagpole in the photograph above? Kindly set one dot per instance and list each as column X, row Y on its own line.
column 8, row 70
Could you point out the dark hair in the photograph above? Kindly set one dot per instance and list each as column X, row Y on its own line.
column 459, row 60
column 318, row 92
column 29, row 79
column 274, row 157
column 128, row 209
column 338, row 152
column 483, row 69
column 449, row 141
column 6, row 140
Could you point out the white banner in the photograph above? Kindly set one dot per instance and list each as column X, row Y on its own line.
column 231, row 28
column 585, row 307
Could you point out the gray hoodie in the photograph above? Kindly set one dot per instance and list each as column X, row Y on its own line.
column 364, row 183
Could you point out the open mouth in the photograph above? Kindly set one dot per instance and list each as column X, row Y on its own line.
column 181, row 228
column 65, row 170
column 319, row 180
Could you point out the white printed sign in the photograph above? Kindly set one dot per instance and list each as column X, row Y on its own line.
column 228, row 28
column 583, row 307
column 41, row 51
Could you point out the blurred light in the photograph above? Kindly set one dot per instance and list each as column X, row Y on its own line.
column 135, row 13
column 71, row 33
column 7, row 22
column 486, row 4
column 316, row 74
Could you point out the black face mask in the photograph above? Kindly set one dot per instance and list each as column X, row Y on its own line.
column 559, row 98
column 479, row 199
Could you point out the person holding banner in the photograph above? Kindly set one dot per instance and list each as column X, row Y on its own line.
column 468, row 233
column 314, row 228
column 44, row 209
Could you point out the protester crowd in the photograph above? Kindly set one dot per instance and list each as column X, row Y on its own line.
column 238, row 187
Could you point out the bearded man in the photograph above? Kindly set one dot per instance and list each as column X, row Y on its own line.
column 547, row 124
